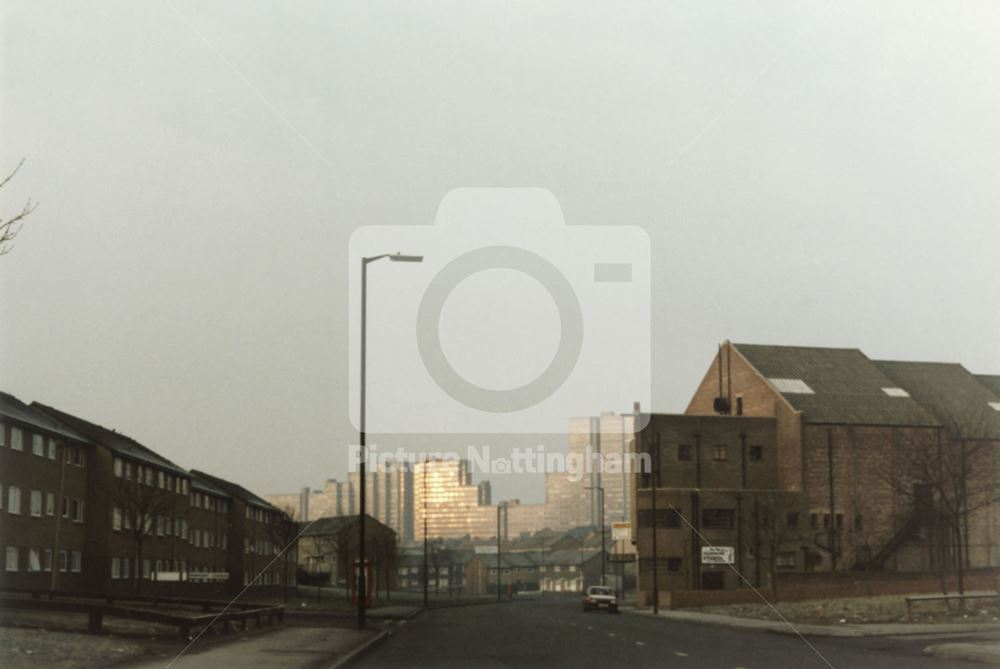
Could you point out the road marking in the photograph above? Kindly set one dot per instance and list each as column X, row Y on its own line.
column 611, row 633
column 680, row 654
column 639, row 643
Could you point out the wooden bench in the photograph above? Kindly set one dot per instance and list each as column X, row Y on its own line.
column 910, row 600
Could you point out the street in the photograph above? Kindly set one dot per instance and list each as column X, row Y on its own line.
column 553, row 631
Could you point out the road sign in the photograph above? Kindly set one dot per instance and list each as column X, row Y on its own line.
column 621, row 531
column 717, row 554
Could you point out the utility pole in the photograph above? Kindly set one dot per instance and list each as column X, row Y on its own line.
column 600, row 489
column 655, row 485
column 425, row 532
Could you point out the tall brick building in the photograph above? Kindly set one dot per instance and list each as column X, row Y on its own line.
column 806, row 459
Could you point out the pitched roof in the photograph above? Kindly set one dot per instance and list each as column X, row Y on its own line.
column 14, row 409
column 204, row 485
column 334, row 524
column 991, row 381
column 235, row 490
column 846, row 387
column 960, row 401
column 111, row 439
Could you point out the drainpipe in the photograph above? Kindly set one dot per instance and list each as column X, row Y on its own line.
column 54, row 562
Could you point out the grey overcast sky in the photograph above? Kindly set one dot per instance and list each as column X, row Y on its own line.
column 809, row 173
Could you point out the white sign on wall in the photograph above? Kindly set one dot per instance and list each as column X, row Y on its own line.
column 717, row 555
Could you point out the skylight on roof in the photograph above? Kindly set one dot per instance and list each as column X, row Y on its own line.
column 995, row 405
column 895, row 392
column 792, row 386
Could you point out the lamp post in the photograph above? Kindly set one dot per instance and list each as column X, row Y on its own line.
column 655, row 484
column 425, row 532
column 395, row 257
column 499, row 506
column 600, row 489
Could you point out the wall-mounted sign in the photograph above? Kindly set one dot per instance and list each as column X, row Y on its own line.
column 717, row 554
column 621, row 531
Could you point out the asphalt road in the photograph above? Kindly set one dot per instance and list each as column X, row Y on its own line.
column 555, row 632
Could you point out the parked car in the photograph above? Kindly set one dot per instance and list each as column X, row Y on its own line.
column 600, row 598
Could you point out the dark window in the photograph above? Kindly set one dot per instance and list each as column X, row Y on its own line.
column 840, row 521
column 756, row 453
column 713, row 580
column 684, row 452
column 664, row 518
column 785, row 561
column 792, row 520
column 720, row 452
column 674, row 564
column 814, row 520
column 739, row 406
column 859, row 522
column 826, row 521
column 718, row 518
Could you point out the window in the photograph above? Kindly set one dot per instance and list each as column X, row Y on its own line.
column 116, row 519
column 994, row 405
column 826, row 521
column 792, row 520
column 895, row 392
column 739, row 406
column 50, row 504
column 126, row 568
column 720, row 454
column 756, row 453
column 34, row 560
column 36, row 503
column 62, row 561
column 785, row 560
column 146, row 569
column 791, row 386
column 814, row 520
column 149, row 477
column 47, row 559
column 128, row 476
column 118, row 467
column 684, row 451
column 38, row 446
column 674, row 563
column 14, row 500
column 718, row 518
column 11, row 562
column 3, row 434
column 52, row 448
column 859, row 522
column 161, row 483
column 16, row 440
column 116, row 568
column 665, row 518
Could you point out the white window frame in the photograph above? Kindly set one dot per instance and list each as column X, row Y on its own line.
column 35, row 503
column 14, row 500
column 75, row 562
column 11, row 558
column 52, row 446
column 16, row 438
column 34, row 560
column 50, row 504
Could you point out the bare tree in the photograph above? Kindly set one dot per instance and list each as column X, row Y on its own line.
column 142, row 508
column 773, row 524
column 947, row 475
column 11, row 226
column 284, row 532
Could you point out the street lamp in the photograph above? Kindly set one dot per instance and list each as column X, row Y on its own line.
column 600, row 489
column 500, row 505
column 395, row 257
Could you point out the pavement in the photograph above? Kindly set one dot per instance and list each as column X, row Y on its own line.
column 289, row 648
column 553, row 631
column 843, row 630
column 972, row 652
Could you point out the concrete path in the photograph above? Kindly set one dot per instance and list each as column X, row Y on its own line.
column 289, row 648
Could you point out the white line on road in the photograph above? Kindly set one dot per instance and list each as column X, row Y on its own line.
column 680, row 654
